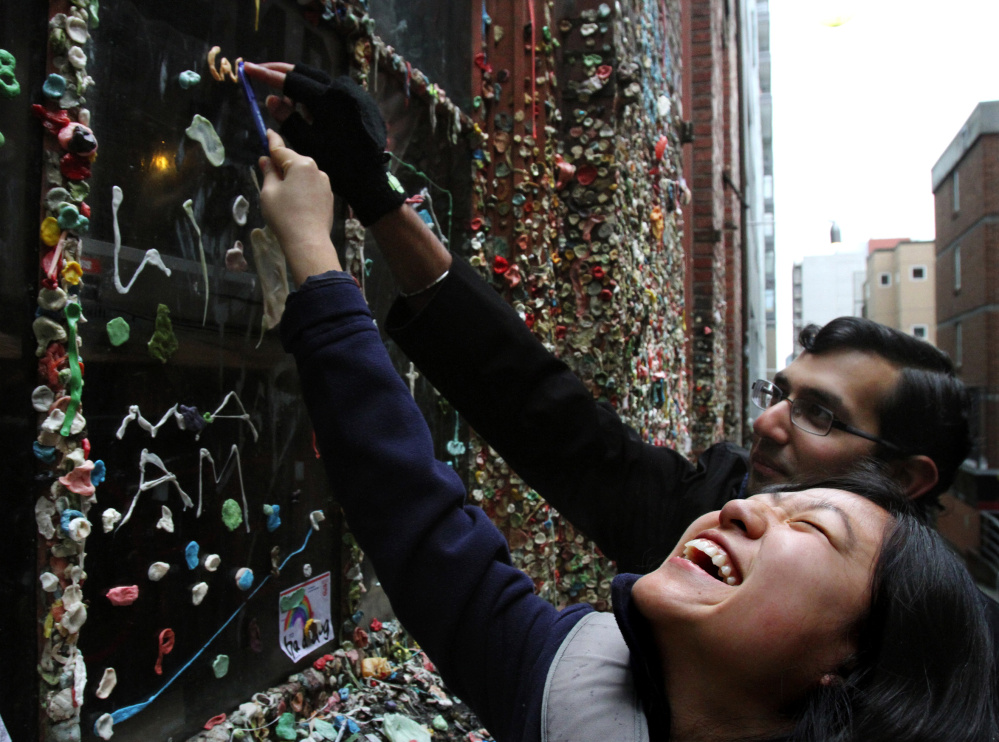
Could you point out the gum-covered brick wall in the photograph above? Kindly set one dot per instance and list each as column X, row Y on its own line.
column 552, row 164
column 577, row 221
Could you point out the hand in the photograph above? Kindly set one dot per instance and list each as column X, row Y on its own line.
column 345, row 133
column 298, row 206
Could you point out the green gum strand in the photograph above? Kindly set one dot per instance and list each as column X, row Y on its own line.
column 75, row 386
column 163, row 343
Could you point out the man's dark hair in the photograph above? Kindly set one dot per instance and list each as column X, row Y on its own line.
column 927, row 412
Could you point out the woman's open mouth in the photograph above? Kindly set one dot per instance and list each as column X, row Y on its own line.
column 713, row 559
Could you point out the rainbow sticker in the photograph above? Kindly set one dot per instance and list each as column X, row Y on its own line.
column 305, row 622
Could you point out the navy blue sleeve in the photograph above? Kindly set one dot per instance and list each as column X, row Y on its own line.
column 443, row 564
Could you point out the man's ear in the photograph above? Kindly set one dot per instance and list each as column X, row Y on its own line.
column 918, row 474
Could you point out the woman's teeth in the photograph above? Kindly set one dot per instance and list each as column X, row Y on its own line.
column 717, row 556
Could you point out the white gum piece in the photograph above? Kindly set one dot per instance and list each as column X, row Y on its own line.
column 42, row 398
column 273, row 273
column 74, row 618
column 105, row 726
column 45, row 510
column 198, row 592
column 189, row 209
column 109, row 518
column 165, row 523
column 48, row 331
column 108, row 681
column 202, row 131
column 152, row 257
column 79, row 529
column 157, row 571
column 240, row 210
column 60, row 705
column 235, row 261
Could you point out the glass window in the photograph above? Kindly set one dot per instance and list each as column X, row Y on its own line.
column 920, row 331
column 957, row 191
column 884, row 279
column 918, row 273
column 957, row 268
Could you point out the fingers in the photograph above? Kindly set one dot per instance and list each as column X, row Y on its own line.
column 266, row 167
column 276, row 166
column 280, row 108
column 279, row 66
column 271, row 73
column 284, row 153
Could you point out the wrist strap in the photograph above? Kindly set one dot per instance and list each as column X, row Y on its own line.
column 426, row 288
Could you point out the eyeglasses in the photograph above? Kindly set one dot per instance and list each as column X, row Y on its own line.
column 808, row 416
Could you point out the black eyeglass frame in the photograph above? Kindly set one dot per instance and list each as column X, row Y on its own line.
column 761, row 384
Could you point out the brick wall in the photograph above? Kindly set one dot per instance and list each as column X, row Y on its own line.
column 973, row 228
column 716, row 287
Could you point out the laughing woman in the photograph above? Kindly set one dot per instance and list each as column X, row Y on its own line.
column 826, row 613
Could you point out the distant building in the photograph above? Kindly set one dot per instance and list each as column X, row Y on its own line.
column 900, row 290
column 826, row 287
column 966, row 194
column 766, row 121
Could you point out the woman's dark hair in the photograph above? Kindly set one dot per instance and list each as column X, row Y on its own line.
column 927, row 412
column 925, row 666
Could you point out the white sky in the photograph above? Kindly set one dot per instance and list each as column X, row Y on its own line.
column 862, row 111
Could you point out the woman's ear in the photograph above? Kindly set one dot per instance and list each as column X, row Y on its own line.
column 829, row 679
column 918, row 474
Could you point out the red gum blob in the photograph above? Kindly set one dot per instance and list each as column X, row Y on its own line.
column 166, row 647
column 125, row 595
column 586, row 174
column 74, row 167
column 53, row 122
column 214, row 721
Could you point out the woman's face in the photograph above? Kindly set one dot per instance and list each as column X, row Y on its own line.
column 763, row 593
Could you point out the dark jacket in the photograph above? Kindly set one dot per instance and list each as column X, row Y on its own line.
column 443, row 564
column 632, row 498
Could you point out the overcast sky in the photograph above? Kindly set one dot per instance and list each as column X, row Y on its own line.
column 862, row 111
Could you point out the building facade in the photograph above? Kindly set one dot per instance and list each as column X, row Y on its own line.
column 766, row 125
column 966, row 196
column 900, row 287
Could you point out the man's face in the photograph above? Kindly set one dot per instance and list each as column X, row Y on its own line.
column 851, row 384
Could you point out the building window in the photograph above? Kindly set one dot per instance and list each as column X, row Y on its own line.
column 957, row 191
column 918, row 273
column 957, row 268
column 920, row 331
column 884, row 279
column 958, row 345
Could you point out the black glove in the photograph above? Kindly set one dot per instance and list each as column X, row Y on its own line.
column 346, row 139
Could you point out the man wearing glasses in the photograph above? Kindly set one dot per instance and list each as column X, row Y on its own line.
column 859, row 390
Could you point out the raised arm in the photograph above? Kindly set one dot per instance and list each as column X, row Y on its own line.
column 631, row 498
column 443, row 565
